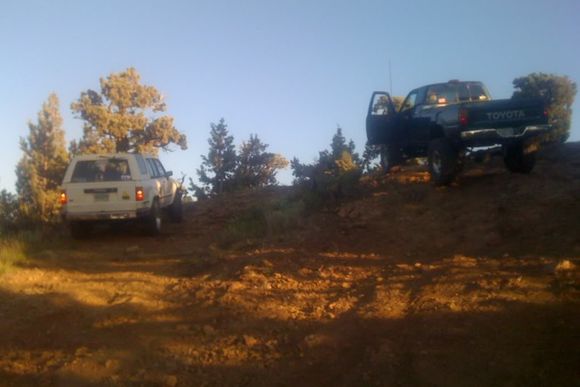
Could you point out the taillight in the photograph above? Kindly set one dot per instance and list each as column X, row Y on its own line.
column 463, row 117
column 139, row 194
column 63, row 199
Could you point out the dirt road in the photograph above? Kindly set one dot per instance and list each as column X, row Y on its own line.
column 475, row 284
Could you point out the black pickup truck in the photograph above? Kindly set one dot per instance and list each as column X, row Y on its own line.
column 445, row 122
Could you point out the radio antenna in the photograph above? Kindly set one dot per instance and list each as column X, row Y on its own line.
column 390, row 79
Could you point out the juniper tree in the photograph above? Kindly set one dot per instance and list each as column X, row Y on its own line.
column 218, row 167
column 40, row 170
column 124, row 117
column 8, row 211
column 339, row 145
column 256, row 167
column 334, row 174
column 558, row 91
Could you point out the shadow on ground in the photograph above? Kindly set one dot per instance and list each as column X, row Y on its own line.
column 474, row 284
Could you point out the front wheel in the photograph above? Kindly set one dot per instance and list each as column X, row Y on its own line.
column 443, row 161
column 390, row 156
column 154, row 220
column 517, row 161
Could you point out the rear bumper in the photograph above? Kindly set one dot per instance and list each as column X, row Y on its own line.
column 502, row 135
column 105, row 216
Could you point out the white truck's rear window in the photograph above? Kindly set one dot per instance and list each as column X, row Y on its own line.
column 111, row 169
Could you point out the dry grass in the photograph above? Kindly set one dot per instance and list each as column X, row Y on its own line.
column 17, row 248
column 12, row 252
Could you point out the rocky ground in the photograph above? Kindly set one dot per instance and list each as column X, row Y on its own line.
column 473, row 284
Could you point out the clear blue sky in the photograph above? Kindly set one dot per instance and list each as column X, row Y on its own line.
column 290, row 71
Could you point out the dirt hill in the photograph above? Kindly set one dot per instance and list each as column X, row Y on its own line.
column 406, row 284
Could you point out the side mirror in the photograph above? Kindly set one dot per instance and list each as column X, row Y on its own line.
column 168, row 173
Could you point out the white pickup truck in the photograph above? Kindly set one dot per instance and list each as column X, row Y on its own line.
column 118, row 187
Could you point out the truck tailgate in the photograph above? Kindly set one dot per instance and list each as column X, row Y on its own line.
column 506, row 113
column 100, row 197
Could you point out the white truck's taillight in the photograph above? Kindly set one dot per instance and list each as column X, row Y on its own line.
column 63, row 198
column 139, row 194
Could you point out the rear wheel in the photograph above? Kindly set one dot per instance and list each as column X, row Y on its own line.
column 517, row 161
column 154, row 220
column 390, row 156
column 443, row 161
column 80, row 230
column 176, row 208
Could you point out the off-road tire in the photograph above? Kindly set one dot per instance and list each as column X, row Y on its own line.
column 390, row 157
column 443, row 161
column 175, row 210
column 80, row 230
column 516, row 161
column 154, row 220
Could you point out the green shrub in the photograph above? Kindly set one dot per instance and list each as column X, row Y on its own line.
column 269, row 221
column 327, row 180
column 250, row 224
column 284, row 216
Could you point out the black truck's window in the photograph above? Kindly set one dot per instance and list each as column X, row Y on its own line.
column 477, row 92
column 410, row 101
column 456, row 92
column 381, row 105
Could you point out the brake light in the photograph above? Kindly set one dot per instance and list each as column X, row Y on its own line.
column 463, row 117
column 139, row 194
column 63, row 199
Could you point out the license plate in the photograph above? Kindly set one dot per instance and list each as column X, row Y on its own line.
column 101, row 197
column 506, row 132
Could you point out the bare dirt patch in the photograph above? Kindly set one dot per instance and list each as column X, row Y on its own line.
column 475, row 284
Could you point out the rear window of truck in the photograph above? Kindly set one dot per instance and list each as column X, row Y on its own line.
column 112, row 169
column 456, row 92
